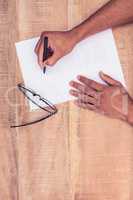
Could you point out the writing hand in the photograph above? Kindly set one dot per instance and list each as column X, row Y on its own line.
column 61, row 43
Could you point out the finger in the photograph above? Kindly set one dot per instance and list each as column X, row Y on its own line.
column 39, row 42
column 83, row 88
column 83, row 97
column 91, row 83
column 109, row 80
column 50, row 52
column 37, row 46
column 74, row 93
column 40, row 55
column 84, row 105
column 87, row 99
column 52, row 60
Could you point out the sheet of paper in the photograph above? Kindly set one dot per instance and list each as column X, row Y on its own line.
column 90, row 56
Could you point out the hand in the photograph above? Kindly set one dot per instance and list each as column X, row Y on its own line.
column 111, row 99
column 61, row 44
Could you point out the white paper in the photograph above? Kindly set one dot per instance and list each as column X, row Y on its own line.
column 90, row 56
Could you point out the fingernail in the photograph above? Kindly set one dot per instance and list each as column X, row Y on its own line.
column 78, row 77
column 71, row 83
column 41, row 65
column 70, row 92
column 101, row 73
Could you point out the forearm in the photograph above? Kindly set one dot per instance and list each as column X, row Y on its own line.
column 114, row 13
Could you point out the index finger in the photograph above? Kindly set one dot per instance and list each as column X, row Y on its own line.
column 37, row 46
column 91, row 83
column 40, row 55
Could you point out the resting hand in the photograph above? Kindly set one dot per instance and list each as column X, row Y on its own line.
column 111, row 99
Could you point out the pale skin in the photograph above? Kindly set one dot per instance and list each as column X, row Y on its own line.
column 114, row 13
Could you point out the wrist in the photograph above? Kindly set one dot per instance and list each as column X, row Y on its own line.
column 76, row 34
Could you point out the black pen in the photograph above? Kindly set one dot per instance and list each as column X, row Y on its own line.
column 45, row 52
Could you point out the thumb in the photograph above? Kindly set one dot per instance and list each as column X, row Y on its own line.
column 52, row 60
column 108, row 79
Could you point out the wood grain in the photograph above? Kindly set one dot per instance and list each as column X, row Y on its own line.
column 76, row 154
column 8, row 138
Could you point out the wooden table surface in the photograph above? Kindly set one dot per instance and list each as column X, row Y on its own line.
column 77, row 154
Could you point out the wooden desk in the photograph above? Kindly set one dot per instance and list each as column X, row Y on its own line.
column 77, row 154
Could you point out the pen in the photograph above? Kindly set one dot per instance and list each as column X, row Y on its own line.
column 45, row 52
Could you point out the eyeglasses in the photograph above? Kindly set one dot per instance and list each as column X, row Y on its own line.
column 48, row 108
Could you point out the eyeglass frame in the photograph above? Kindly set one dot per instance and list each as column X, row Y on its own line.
column 23, row 89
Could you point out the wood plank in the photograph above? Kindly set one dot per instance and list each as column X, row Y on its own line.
column 76, row 154
column 102, row 167
column 44, row 148
column 44, row 183
column 38, row 16
column 105, row 167
column 8, row 137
